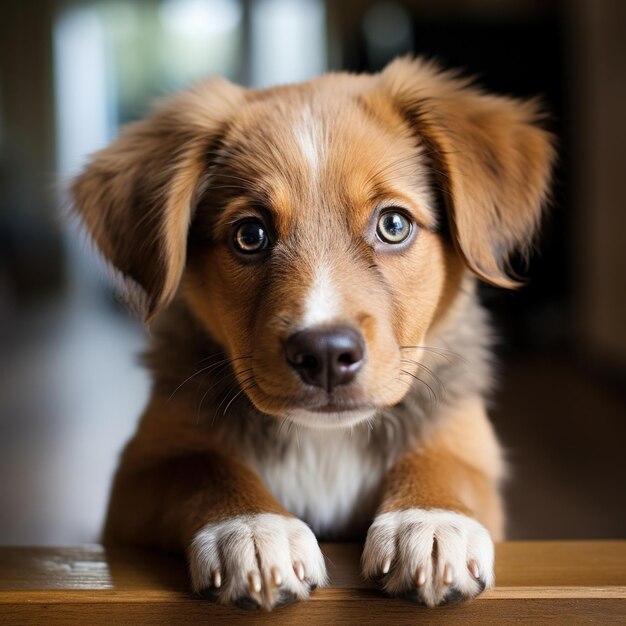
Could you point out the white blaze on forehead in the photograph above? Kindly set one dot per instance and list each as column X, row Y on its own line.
column 309, row 136
column 321, row 304
column 322, row 301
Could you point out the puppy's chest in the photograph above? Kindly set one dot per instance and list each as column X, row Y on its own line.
column 328, row 479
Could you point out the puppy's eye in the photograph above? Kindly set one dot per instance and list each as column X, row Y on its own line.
column 393, row 227
column 250, row 237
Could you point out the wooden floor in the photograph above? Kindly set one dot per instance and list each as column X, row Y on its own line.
column 537, row 582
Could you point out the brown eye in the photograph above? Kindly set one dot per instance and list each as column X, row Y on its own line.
column 250, row 237
column 393, row 227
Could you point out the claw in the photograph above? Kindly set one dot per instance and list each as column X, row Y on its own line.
column 254, row 579
column 420, row 577
column 216, row 578
column 447, row 574
column 474, row 570
column 276, row 577
column 298, row 568
column 386, row 566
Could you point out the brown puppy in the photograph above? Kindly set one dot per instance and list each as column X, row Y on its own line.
column 309, row 254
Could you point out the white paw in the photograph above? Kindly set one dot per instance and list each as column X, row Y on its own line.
column 256, row 561
column 430, row 556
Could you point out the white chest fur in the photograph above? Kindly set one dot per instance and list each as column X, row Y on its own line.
column 328, row 478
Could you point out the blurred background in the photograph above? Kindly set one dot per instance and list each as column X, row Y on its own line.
column 72, row 71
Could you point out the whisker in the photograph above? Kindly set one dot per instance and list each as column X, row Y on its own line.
column 432, row 374
column 281, row 425
column 443, row 352
column 432, row 392
column 217, row 371
column 230, row 390
column 206, row 369
column 232, row 400
column 206, row 393
column 218, row 382
column 425, row 347
column 206, row 358
column 237, row 383
column 246, row 371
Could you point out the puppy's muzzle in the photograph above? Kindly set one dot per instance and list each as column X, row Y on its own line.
column 326, row 357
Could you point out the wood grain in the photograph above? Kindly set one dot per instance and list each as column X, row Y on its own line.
column 573, row 582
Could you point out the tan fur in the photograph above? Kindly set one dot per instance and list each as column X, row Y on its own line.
column 316, row 163
column 488, row 152
column 161, row 497
column 459, row 467
column 136, row 195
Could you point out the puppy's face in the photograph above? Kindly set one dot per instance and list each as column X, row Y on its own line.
column 315, row 258
column 318, row 255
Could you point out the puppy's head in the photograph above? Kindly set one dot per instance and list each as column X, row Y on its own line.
column 319, row 230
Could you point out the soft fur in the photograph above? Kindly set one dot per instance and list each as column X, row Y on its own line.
column 233, row 444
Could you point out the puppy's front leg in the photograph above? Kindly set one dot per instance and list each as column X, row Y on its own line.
column 426, row 543
column 243, row 548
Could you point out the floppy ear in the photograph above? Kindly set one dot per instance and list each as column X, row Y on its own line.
column 490, row 159
column 136, row 197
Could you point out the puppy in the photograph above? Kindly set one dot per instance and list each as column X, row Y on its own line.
column 307, row 256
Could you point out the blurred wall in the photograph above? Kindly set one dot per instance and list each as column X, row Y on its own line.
column 30, row 245
column 598, row 95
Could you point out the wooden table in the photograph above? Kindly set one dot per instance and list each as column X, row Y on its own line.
column 538, row 582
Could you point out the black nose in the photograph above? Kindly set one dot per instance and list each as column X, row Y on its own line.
column 326, row 357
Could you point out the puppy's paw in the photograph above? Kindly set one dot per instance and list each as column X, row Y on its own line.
column 432, row 557
column 256, row 561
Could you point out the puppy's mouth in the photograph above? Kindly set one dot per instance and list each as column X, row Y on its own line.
column 330, row 408
column 311, row 407
column 331, row 415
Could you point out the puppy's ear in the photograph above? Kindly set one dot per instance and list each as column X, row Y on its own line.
column 490, row 159
column 136, row 197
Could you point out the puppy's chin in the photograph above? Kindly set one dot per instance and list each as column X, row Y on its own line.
column 329, row 419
